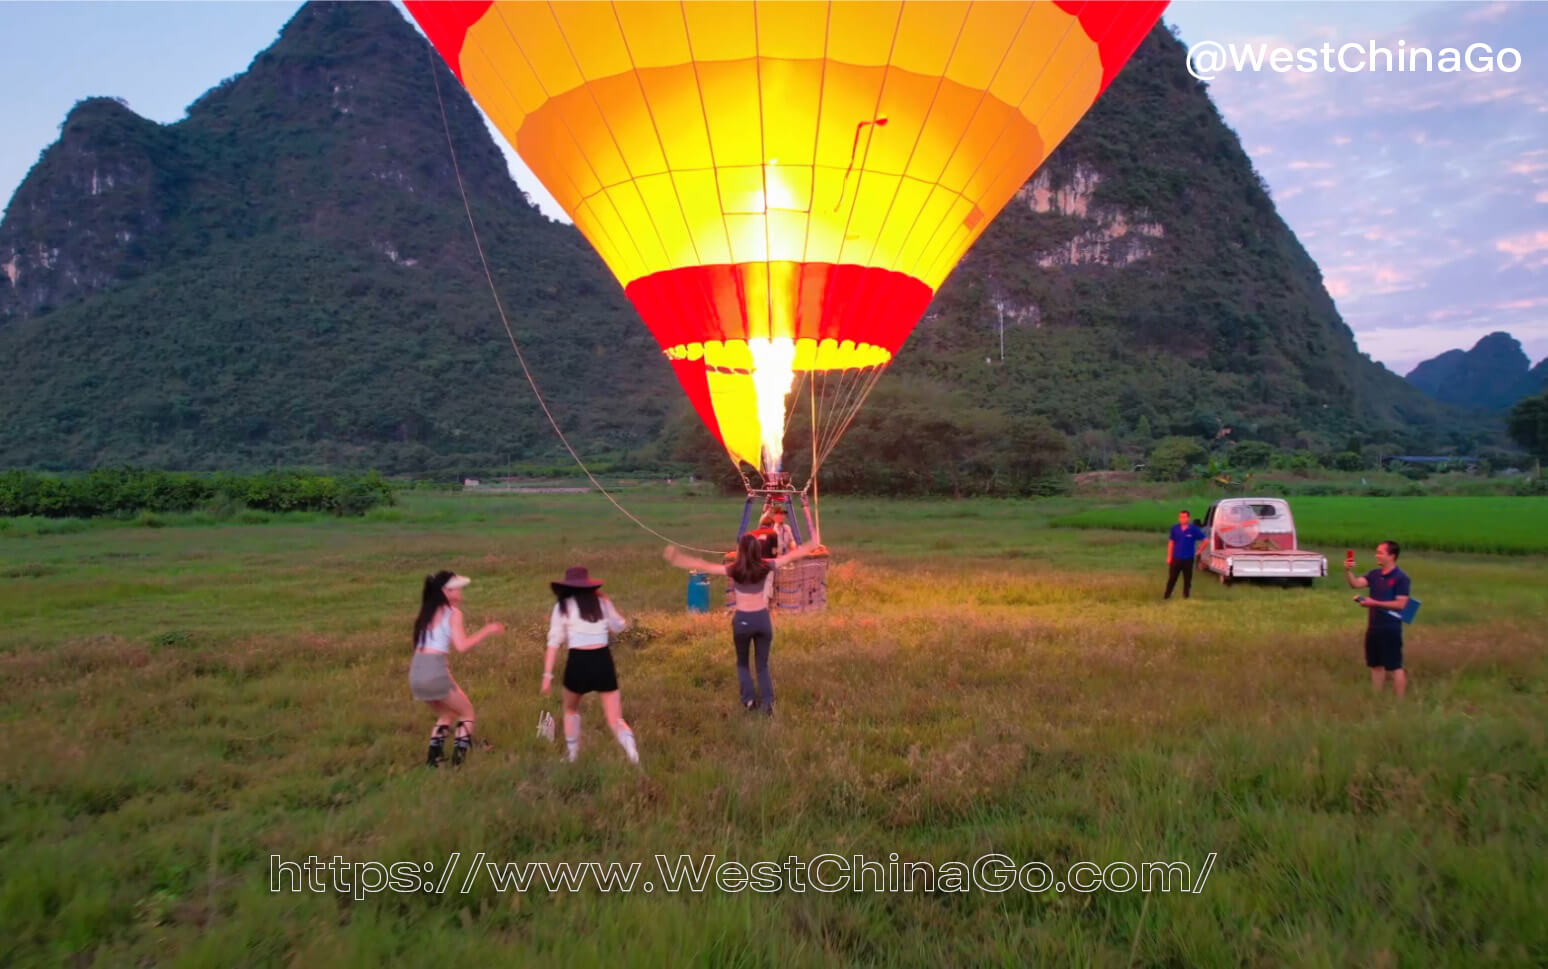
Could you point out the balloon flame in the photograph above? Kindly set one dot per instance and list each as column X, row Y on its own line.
column 773, row 374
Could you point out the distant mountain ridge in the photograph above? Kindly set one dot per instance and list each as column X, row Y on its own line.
column 1492, row 376
column 287, row 277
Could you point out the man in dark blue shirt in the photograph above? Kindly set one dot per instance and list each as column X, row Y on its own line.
column 1390, row 589
column 1179, row 553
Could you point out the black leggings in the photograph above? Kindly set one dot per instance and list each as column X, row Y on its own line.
column 753, row 629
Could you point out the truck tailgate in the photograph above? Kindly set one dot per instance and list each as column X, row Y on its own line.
column 1308, row 565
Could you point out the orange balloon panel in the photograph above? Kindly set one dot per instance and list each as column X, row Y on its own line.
column 782, row 173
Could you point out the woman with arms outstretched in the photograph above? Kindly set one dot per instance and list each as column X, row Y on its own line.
column 751, row 578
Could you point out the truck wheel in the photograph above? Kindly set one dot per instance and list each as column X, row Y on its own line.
column 1305, row 583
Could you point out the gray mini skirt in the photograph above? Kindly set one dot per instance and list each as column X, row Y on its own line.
column 430, row 677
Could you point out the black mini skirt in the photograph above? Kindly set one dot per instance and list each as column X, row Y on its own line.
column 590, row 671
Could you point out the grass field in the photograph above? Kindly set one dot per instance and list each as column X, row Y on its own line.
column 1512, row 526
column 182, row 703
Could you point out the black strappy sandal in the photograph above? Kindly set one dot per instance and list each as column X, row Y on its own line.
column 437, row 746
column 461, row 745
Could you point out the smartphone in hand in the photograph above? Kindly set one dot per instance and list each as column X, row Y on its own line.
column 1349, row 558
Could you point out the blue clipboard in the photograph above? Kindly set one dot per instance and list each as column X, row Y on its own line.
column 1408, row 612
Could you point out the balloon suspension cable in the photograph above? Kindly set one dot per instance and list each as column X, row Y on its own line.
column 811, row 482
column 511, row 336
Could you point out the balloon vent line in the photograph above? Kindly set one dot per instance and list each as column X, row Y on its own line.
column 879, row 121
column 511, row 336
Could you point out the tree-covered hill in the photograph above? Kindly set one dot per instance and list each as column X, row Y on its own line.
column 299, row 285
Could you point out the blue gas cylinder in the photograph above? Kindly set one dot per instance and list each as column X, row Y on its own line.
column 698, row 592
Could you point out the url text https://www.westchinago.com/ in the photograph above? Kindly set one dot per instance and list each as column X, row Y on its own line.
column 1209, row 58
column 827, row 873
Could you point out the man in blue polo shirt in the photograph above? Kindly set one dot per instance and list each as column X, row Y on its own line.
column 1179, row 553
column 1389, row 587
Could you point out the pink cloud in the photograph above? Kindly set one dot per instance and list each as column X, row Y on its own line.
column 1390, row 280
column 1523, row 245
column 1370, row 280
column 1522, row 304
column 1359, row 280
column 1490, row 95
column 1487, row 14
column 1528, row 250
column 1297, row 166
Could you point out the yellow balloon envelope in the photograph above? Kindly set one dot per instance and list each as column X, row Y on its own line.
column 782, row 186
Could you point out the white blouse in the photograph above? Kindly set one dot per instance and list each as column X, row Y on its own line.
column 566, row 624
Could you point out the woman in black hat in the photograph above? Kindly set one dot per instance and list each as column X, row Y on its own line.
column 582, row 619
column 751, row 628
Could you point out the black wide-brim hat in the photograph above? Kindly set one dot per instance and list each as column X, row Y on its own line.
column 576, row 577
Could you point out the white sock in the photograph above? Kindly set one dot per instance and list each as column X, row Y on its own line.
column 626, row 741
column 572, row 735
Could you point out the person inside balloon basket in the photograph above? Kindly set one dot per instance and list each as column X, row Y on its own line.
column 784, row 535
column 768, row 538
column 1182, row 543
column 751, row 627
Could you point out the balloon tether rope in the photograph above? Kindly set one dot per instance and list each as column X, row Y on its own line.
column 511, row 336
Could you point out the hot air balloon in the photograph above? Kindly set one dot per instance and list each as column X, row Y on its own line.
column 781, row 187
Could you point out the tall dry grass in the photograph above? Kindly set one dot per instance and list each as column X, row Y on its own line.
column 183, row 703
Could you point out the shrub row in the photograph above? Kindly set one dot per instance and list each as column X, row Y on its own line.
column 127, row 491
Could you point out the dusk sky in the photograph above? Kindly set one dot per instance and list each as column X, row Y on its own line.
column 1422, row 196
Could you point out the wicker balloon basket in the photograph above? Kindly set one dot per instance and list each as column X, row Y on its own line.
column 799, row 586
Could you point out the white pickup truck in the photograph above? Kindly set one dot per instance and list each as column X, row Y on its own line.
column 1254, row 538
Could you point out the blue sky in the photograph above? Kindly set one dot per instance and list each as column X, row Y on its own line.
column 1423, row 197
